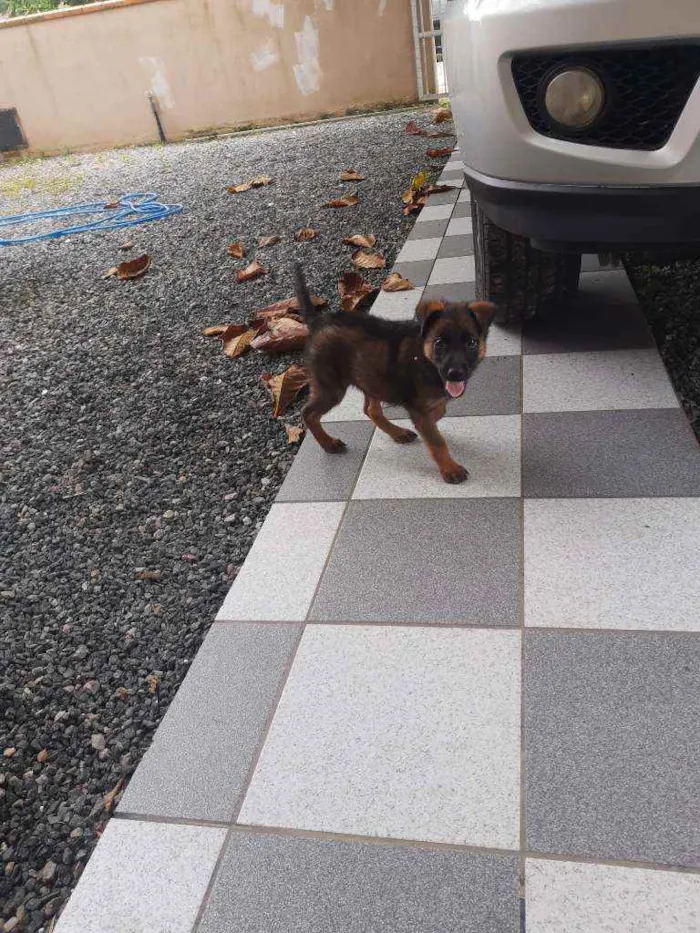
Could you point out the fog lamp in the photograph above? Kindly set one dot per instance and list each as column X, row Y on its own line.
column 574, row 98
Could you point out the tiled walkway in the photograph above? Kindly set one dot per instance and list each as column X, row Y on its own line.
column 427, row 708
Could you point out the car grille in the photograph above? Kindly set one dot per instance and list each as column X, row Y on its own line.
column 646, row 91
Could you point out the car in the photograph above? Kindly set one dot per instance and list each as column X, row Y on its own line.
column 579, row 130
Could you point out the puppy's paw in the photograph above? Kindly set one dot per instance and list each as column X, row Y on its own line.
column 455, row 474
column 336, row 446
column 405, row 436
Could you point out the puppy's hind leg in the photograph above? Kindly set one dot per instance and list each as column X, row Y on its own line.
column 317, row 406
column 373, row 410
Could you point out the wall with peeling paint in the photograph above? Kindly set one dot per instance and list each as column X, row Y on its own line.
column 79, row 78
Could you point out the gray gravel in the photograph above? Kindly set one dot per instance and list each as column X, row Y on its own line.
column 129, row 441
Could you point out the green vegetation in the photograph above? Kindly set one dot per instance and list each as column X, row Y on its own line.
column 10, row 8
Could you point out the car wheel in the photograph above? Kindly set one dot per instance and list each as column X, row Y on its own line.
column 521, row 280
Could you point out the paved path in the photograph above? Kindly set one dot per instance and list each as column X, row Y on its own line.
column 427, row 708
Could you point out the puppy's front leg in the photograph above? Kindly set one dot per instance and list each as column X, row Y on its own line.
column 450, row 470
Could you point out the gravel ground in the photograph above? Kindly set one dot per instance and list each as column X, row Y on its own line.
column 669, row 293
column 130, row 441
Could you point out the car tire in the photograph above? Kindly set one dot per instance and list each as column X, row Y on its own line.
column 521, row 280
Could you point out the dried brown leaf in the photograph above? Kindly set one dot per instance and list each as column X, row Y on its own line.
column 285, row 387
column 442, row 115
column 127, row 246
column 110, row 797
column 239, row 189
column 396, row 283
column 367, row 240
column 282, row 309
column 371, row 260
column 153, row 575
column 268, row 241
column 353, row 291
column 110, row 272
column 238, row 341
column 439, row 189
column 349, row 174
column 416, row 205
column 216, row 331
column 439, row 153
column 112, row 205
column 305, row 234
column 295, row 432
column 413, row 129
column 260, row 181
column 252, row 271
column 133, row 268
column 153, row 681
column 349, row 200
column 236, row 250
column 283, row 335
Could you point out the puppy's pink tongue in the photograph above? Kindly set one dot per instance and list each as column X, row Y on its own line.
column 455, row 389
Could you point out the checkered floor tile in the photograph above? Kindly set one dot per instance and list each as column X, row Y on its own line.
column 430, row 708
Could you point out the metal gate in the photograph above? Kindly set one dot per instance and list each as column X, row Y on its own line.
column 427, row 40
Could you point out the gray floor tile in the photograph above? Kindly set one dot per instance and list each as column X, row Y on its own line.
column 416, row 272
column 494, row 389
column 278, row 884
column 451, row 177
column 428, row 228
column 462, row 209
column 144, row 878
column 397, row 732
column 278, row 579
column 584, row 898
column 605, row 315
column 425, row 561
column 596, row 454
column 456, row 246
column 203, row 750
column 612, row 747
column 316, row 476
column 617, row 563
column 350, row 409
column 460, row 291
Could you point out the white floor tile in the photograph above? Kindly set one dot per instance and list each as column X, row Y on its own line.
column 396, row 732
column 488, row 446
column 144, row 878
column 350, row 409
column 415, row 250
column 612, row 379
column 465, row 196
column 504, row 342
column 455, row 270
column 565, row 897
column 435, row 212
column 613, row 563
column 453, row 163
column 459, row 225
column 397, row 306
column 280, row 574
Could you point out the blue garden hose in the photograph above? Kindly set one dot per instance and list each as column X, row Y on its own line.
column 136, row 208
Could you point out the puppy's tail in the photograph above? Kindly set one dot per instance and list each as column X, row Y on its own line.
column 308, row 312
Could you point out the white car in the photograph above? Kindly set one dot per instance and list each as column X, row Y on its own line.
column 579, row 129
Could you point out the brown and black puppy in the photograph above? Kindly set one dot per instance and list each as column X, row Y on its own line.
column 418, row 364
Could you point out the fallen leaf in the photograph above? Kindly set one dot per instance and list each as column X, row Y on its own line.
column 127, row 246
column 282, row 336
column 361, row 239
column 295, row 432
column 419, row 180
column 112, row 205
column 439, row 189
column 285, row 387
column 110, row 272
column 349, row 174
column 442, row 115
column 260, row 181
column 236, row 340
column 153, row 681
column 282, row 309
column 133, row 268
column 268, row 241
column 154, row 575
column 439, row 153
column 396, row 283
column 362, row 260
column 121, row 693
column 413, row 129
column 252, row 271
column 416, row 205
column 42, row 756
column 306, row 233
column 239, row 189
column 110, row 796
column 215, row 331
column 236, row 250
column 353, row 291
column 349, row 200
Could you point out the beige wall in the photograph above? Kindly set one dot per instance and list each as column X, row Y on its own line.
column 79, row 78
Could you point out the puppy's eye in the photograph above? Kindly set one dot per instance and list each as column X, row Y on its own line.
column 440, row 343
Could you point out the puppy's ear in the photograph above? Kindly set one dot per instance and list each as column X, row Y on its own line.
column 427, row 311
column 484, row 312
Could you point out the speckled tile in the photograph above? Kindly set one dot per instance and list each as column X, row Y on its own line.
column 429, row 560
column 618, row 563
column 428, row 228
column 417, row 272
column 613, row 379
column 459, row 226
column 439, row 212
column 451, row 176
column 565, row 897
column 489, row 447
column 280, row 573
column 316, row 476
column 445, row 197
column 415, row 250
column 612, row 727
column 504, row 341
column 397, row 306
column 279, row 884
column 204, row 748
column 593, row 454
column 143, row 878
column 396, row 732
column 452, row 271
column 456, row 246
column 463, row 209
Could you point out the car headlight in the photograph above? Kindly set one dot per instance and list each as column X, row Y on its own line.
column 574, row 98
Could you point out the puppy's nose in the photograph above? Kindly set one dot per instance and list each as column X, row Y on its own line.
column 455, row 375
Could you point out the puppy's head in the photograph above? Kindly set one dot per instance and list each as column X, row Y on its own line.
column 454, row 338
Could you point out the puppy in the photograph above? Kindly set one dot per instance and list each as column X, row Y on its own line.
column 419, row 364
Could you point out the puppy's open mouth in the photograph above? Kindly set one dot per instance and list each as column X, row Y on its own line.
column 455, row 389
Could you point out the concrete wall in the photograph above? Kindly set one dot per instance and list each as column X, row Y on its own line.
column 79, row 77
